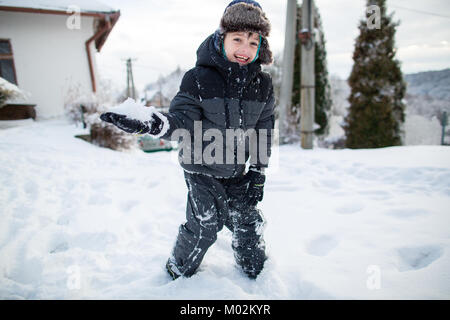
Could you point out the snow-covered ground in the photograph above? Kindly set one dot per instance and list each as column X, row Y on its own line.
column 79, row 221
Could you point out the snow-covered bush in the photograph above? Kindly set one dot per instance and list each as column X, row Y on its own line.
column 108, row 136
column 86, row 109
column 422, row 131
column 9, row 91
column 340, row 90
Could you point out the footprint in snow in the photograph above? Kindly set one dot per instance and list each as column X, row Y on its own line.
column 376, row 194
column 58, row 243
column 407, row 213
column 32, row 190
column 86, row 241
column 414, row 258
column 63, row 220
column 22, row 211
column 126, row 206
column 60, row 247
column 99, row 199
column 322, row 245
column 25, row 270
column 94, row 241
column 350, row 208
column 152, row 184
column 330, row 183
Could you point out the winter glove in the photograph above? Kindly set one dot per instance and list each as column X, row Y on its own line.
column 152, row 127
column 255, row 191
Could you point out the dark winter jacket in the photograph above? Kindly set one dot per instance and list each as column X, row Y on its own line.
column 222, row 95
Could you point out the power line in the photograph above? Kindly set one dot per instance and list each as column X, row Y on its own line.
column 420, row 11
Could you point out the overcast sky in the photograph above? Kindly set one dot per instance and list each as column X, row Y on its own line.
column 162, row 35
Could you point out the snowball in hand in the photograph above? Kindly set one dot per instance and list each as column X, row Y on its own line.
column 134, row 110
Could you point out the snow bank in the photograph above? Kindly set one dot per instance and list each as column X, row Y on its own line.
column 5, row 124
column 78, row 221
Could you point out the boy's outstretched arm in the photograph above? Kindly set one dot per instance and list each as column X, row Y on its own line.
column 152, row 126
column 184, row 110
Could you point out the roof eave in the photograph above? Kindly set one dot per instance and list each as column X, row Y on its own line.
column 111, row 16
column 55, row 11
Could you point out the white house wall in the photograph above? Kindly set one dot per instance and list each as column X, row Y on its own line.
column 50, row 59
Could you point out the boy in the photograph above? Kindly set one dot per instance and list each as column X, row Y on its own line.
column 226, row 90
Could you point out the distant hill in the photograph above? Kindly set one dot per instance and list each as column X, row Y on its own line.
column 428, row 93
column 434, row 84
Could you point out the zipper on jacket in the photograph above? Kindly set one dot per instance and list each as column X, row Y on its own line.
column 241, row 114
column 227, row 114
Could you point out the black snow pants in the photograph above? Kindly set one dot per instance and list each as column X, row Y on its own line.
column 211, row 204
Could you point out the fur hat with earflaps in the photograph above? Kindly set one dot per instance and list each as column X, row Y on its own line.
column 247, row 15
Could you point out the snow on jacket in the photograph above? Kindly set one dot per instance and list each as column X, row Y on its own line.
column 222, row 95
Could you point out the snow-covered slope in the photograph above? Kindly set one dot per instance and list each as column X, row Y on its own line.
column 78, row 221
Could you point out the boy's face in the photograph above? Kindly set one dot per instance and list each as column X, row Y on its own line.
column 241, row 47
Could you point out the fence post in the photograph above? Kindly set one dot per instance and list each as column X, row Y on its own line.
column 444, row 122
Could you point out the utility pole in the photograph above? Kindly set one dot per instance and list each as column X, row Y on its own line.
column 288, row 68
column 307, row 81
column 131, row 90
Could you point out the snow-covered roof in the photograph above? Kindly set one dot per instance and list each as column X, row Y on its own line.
column 86, row 6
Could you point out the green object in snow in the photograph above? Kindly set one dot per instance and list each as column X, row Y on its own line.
column 150, row 144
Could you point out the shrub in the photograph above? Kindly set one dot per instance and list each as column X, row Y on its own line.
column 9, row 91
column 87, row 110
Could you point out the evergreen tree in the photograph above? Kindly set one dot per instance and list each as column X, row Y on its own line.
column 376, row 112
column 322, row 87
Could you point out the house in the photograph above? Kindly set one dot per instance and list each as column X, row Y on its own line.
column 161, row 92
column 47, row 49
